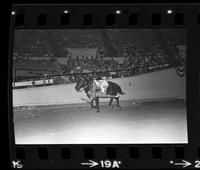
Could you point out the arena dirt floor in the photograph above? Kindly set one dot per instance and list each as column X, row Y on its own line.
column 139, row 123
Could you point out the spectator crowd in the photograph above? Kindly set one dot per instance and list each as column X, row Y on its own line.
column 137, row 55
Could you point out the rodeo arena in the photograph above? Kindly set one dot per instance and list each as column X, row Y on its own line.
column 100, row 86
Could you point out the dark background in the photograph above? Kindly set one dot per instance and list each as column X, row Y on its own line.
column 4, row 66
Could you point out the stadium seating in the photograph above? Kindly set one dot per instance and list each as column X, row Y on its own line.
column 138, row 48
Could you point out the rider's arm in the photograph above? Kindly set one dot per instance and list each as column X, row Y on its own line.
column 97, row 83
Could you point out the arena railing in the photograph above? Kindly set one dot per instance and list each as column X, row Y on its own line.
column 55, row 79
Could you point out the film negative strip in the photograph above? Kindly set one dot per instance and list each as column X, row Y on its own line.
column 104, row 86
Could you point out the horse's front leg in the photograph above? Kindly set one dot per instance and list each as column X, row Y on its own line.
column 91, row 103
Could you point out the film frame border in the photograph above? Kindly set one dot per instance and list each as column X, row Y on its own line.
column 147, row 155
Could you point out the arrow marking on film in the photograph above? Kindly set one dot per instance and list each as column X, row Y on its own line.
column 184, row 163
column 90, row 163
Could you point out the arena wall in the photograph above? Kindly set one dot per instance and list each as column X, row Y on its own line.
column 150, row 86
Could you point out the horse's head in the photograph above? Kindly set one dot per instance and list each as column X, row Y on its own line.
column 81, row 84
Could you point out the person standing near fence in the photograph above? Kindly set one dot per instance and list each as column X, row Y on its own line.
column 45, row 78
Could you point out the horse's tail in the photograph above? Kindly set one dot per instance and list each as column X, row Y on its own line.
column 120, row 90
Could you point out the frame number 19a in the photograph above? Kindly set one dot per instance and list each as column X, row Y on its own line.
column 110, row 164
column 102, row 163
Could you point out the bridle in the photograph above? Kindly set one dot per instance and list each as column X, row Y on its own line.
column 85, row 86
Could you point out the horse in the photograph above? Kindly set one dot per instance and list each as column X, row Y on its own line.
column 94, row 93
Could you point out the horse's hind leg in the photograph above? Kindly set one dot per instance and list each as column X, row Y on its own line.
column 110, row 103
column 97, row 104
column 118, row 105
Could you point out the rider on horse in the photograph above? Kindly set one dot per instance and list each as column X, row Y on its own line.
column 102, row 84
column 96, row 89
